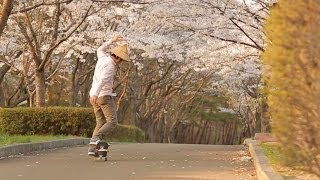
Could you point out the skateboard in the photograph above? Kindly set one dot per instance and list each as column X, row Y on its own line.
column 101, row 151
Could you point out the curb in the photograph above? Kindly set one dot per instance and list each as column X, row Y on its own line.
column 261, row 163
column 30, row 147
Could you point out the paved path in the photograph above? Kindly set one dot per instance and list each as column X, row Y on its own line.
column 133, row 161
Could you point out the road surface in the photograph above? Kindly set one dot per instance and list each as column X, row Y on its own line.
column 134, row 161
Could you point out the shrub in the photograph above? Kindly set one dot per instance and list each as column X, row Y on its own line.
column 59, row 121
column 293, row 79
column 52, row 121
column 126, row 133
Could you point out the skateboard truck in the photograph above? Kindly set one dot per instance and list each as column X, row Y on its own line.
column 102, row 151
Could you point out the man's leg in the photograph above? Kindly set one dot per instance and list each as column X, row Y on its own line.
column 108, row 108
column 100, row 121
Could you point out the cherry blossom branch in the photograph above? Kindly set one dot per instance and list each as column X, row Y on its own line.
column 52, row 48
column 55, row 69
column 33, row 35
column 56, row 23
column 158, row 80
column 39, row 5
column 29, row 41
column 257, row 46
column 121, row 1
column 124, row 81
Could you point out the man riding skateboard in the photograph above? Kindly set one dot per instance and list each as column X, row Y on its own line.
column 102, row 96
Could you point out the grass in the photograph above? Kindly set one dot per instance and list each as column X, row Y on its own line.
column 275, row 157
column 272, row 152
column 122, row 133
column 18, row 139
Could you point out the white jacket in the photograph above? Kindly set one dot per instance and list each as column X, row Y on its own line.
column 104, row 72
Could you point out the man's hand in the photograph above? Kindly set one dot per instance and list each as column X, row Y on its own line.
column 116, row 38
column 93, row 100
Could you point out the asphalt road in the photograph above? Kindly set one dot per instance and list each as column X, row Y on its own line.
column 133, row 161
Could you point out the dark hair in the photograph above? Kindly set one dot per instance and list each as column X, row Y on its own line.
column 116, row 56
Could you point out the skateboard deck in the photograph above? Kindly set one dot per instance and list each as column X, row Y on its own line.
column 102, row 151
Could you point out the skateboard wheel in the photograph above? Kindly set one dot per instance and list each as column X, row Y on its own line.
column 102, row 153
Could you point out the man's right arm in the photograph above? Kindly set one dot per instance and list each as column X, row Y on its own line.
column 101, row 51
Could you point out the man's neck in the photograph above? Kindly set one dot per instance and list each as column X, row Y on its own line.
column 114, row 60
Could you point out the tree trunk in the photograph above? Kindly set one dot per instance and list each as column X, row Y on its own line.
column 5, row 12
column 2, row 97
column 40, row 88
column 74, row 94
column 84, row 91
column 3, row 70
column 133, row 119
column 31, row 99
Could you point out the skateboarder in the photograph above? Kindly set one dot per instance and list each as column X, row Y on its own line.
column 102, row 96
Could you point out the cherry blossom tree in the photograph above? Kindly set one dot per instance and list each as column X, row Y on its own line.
column 214, row 44
column 220, row 36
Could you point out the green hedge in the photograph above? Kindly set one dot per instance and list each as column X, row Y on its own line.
column 126, row 133
column 59, row 121
column 53, row 121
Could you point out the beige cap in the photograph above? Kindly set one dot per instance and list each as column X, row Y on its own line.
column 121, row 51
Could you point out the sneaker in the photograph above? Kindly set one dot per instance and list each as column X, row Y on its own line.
column 94, row 141
column 92, row 150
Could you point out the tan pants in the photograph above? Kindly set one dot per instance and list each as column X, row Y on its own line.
column 106, row 116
